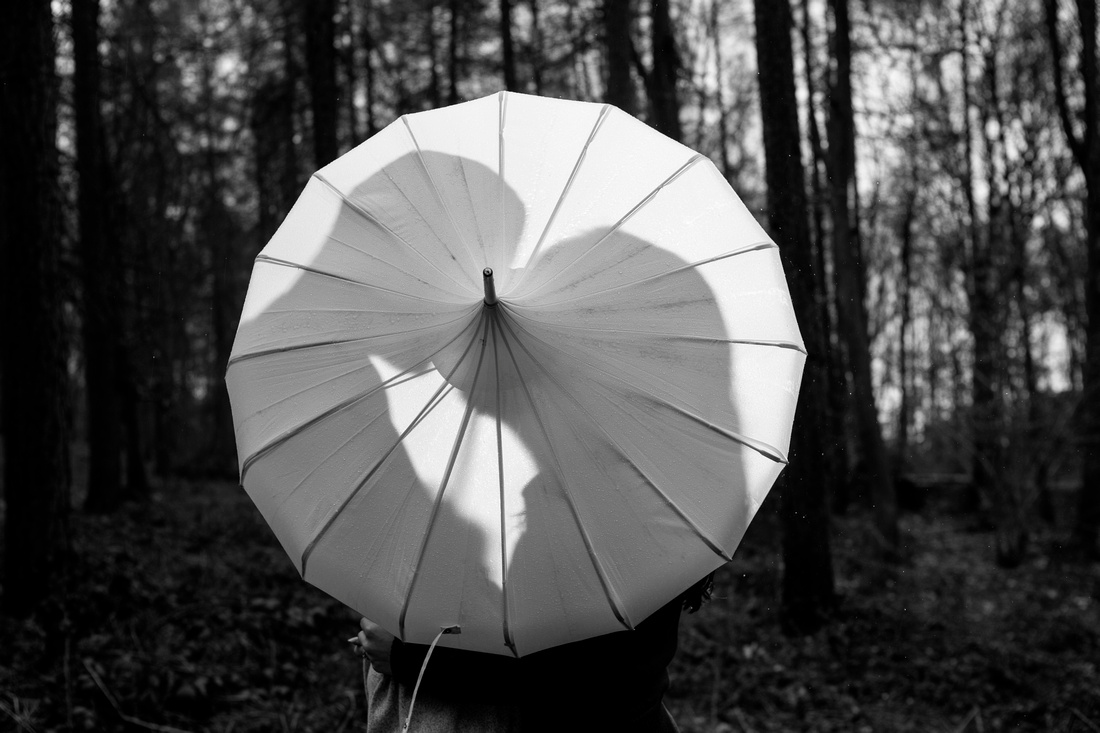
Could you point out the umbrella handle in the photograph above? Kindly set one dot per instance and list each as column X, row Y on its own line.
column 442, row 630
column 490, row 286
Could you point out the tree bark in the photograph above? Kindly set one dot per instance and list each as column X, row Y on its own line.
column 137, row 478
column 273, row 132
column 434, row 98
column 452, row 52
column 289, row 180
column 715, row 39
column 368, row 65
column 847, row 270
column 348, row 49
column 836, row 448
column 537, row 55
column 665, row 99
column 808, row 592
column 617, row 22
column 220, row 458
column 982, row 315
column 906, row 286
column 508, row 50
column 36, row 455
column 321, row 64
column 98, row 271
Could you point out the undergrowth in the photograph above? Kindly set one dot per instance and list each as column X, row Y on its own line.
column 184, row 613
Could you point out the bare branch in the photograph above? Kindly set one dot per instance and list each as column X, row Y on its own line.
column 1075, row 144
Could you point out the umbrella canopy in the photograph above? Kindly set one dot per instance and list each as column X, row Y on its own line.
column 520, row 365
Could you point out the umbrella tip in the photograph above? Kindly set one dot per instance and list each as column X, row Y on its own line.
column 490, row 286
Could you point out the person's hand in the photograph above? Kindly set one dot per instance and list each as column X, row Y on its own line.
column 375, row 644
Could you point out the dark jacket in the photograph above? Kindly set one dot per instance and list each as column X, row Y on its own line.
column 614, row 682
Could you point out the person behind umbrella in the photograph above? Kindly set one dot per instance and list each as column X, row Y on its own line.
column 608, row 683
column 535, row 471
column 612, row 682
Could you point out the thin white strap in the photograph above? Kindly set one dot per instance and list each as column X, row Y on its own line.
column 424, row 666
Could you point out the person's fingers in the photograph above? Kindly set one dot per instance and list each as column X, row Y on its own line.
column 362, row 639
column 365, row 624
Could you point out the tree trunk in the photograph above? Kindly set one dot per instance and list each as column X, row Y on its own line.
column 452, row 53
column 617, row 22
column 321, row 65
column 36, row 455
column 368, row 65
column 665, row 100
column 220, row 458
column 981, row 380
column 537, row 55
column 348, row 49
column 137, row 479
column 1086, row 151
column 808, row 593
column 434, row 95
column 289, row 179
column 715, row 39
column 1088, row 517
column 836, row 447
column 99, row 275
column 276, row 158
column 507, row 47
column 906, row 285
column 851, row 321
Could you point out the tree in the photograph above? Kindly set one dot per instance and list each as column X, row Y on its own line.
column 661, row 81
column 849, row 276
column 36, row 465
column 1086, row 152
column 321, row 65
column 508, row 51
column 368, row 65
column 836, row 453
column 617, row 21
column 808, row 592
column 99, row 270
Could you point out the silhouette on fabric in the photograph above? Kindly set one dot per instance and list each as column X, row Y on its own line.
column 526, row 471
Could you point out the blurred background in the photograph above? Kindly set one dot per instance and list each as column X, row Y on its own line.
column 930, row 169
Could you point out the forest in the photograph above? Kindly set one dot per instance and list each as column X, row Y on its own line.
column 930, row 170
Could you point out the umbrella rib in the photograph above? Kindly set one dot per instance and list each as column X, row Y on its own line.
column 335, row 342
column 443, row 482
column 509, row 641
column 502, row 113
column 754, row 247
column 374, row 220
column 298, row 429
column 358, row 432
column 281, row 439
column 436, row 399
column 444, row 389
column 375, row 259
column 437, row 192
column 699, row 531
column 622, row 220
column 604, row 112
column 769, row 343
column 764, row 449
column 609, row 591
column 333, row 276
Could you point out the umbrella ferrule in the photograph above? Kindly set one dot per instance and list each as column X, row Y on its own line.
column 490, row 286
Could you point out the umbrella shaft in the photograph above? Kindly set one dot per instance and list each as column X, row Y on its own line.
column 490, row 287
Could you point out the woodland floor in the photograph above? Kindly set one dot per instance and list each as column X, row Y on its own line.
column 184, row 614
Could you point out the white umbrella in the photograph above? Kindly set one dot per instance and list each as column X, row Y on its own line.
column 538, row 469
